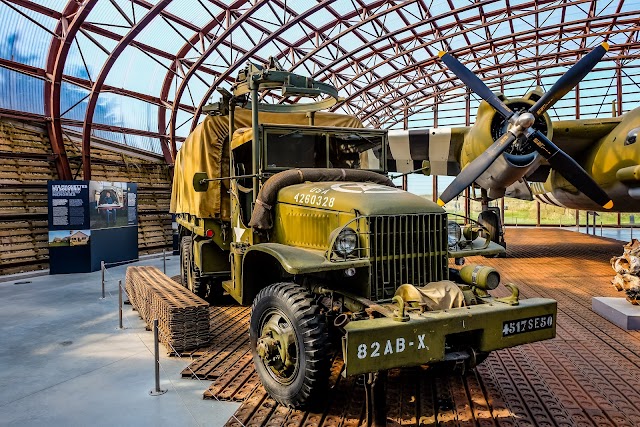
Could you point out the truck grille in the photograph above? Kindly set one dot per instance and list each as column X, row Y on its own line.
column 406, row 249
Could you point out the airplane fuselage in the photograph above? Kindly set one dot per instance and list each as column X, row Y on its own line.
column 603, row 150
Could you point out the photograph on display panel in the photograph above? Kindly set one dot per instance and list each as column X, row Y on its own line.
column 69, row 238
column 109, row 204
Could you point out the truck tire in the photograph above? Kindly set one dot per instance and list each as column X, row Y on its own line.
column 195, row 283
column 185, row 259
column 189, row 274
column 286, row 313
column 491, row 222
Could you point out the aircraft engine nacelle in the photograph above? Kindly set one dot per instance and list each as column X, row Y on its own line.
column 520, row 160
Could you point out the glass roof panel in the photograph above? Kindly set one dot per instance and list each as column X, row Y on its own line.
column 20, row 92
column 22, row 40
column 376, row 72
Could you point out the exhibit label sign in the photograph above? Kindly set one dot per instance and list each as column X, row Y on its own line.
column 90, row 222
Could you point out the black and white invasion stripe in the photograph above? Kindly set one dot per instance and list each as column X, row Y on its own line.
column 408, row 148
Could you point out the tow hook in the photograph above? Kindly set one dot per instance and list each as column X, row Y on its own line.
column 401, row 317
column 513, row 298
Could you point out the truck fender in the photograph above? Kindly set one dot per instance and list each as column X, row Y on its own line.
column 268, row 263
column 210, row 258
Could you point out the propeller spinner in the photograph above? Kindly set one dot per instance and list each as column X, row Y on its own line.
column 523, row 124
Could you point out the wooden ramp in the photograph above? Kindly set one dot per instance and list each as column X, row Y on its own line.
column 588, row 376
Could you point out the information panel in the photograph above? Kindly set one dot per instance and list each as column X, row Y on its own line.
column 90, row 222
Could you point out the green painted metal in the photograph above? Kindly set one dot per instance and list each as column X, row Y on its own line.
column 400, row 238
column 295, row 260
column 384, row 343
column 210, row 258
column 366, row 198
column 481, row 276
column 273, row 76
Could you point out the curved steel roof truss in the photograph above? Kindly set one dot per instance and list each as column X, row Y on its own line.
column 382, row 55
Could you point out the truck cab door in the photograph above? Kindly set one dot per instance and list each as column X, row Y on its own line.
column 241, row 158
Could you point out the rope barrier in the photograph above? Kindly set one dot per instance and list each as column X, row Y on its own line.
column 111, row 264
column 103, row 267
column 172, row 351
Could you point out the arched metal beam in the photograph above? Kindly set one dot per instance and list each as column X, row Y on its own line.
column 203, row 57
column 302, row 16
column 97, row 86
column 55, row 135
column 373, row 18
column 440, row 38
column 551, row 55
column 524, row 61
column 96, row 29
column 390, row 59
column 59, row 61
column 394, row 33
column 501, row 75
column 180, row 55
column 40, row 73
column 392, row 121
column 527, row 36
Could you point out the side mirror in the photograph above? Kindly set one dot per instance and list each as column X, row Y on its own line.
column 426, row 167
column 200, row 182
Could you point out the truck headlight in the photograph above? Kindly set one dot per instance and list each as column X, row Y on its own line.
column 455, row 234
column 346, row 242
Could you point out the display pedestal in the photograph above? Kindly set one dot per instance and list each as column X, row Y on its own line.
column 618, row 311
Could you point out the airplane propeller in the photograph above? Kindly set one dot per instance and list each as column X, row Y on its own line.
column 522, row 124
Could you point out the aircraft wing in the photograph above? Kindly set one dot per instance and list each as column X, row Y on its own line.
column 576, row 136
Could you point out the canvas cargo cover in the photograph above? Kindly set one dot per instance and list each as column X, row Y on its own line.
column 206, row 150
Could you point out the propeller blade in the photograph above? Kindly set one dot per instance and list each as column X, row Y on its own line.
column 570, row 170
column 569, row 80
column 474, row 169
column 475, row 84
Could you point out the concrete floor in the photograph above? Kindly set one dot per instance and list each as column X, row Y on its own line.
column 65, row 362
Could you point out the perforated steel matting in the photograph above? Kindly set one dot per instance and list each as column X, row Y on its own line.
column 587, row 376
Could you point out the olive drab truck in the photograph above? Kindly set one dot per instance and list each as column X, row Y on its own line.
column 292, row 210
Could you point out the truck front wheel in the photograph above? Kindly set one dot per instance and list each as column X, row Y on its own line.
column 491, row 221
column 290, row 345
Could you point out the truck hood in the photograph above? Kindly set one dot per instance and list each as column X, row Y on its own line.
column 365, row 197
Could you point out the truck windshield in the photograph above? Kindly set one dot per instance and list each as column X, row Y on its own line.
column 356, row 151
column 296, row 150
column 350, row 150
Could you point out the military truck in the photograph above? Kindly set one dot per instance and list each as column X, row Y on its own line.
column 295, row 214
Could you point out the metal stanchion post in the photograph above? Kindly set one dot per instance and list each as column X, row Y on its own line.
column 102, row 272
column 156, row 348
column 587, row 219
column 120, row 304
column 164, row 262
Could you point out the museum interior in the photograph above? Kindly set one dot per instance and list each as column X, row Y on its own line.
column 320, row 213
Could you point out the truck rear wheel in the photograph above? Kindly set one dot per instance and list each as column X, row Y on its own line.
column 289, row 343
column 185, row 259
column 189, row 274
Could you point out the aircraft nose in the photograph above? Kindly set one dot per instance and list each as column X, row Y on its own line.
column 526, row 120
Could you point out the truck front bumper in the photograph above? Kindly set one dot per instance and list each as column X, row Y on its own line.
column 384, row 343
